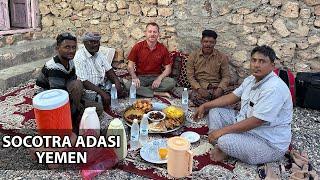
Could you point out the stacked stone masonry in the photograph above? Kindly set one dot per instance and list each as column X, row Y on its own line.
column 291, row 27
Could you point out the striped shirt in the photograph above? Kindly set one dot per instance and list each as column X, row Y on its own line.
column 55, row 76
column 91, row 67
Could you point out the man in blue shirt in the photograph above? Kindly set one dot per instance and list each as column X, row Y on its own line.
column 261, row 131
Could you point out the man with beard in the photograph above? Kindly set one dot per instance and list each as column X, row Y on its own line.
column 59, row 73
column 207, row 70
column 261, row 131
column 146, row 61
column 95, row 72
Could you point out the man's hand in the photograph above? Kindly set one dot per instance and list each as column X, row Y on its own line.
column 214, row 135
column 199, row 113
column 105, row 99
column 202, row 93
column 218, row 92
column 136, row 82
column 156, row 83
column 121, row 92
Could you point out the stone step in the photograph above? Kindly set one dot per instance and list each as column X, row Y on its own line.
column 26, row 52
column 18, row 74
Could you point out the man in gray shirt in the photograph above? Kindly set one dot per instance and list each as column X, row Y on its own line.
column 261, row 131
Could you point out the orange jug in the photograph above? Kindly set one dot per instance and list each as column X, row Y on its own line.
column 180, row 158
column 52, row 112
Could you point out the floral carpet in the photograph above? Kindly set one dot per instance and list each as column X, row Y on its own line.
column 17, row 116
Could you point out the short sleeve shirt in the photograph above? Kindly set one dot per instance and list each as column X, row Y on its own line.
column 91, row 67
column 149, row 62
column 268, row 100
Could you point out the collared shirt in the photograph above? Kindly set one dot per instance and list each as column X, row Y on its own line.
column 149, row 62
column 202, row 71
column 91, row 68
column 54, row 75
column 268, row 100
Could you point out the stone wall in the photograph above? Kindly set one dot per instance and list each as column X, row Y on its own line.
column 292, row 27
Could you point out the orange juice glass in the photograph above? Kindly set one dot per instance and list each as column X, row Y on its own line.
column 163, row 152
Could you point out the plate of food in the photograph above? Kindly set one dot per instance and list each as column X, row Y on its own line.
column 169, row 119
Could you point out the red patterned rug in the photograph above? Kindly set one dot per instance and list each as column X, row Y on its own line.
column 17, row 116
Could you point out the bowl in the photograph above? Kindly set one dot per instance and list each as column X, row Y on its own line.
column 156, row 116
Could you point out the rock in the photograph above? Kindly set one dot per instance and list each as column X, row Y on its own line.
column 314, row 39
column 284, row 50
column 254, row 18
column 290, row 10
column 151, row 1
column 247, row 29
column 301, row 67
column 135, row 9
column 74, row 17
column 170, row 29
column 130, row 21
column 236, row 19
column 137, row 33
column 55, row 11
column 244, row 11
column 302, row 45
column 115, row 24
column 251, row 40
column 315, row 65
column 224, row 10
column 10, row 39
column 64, row 5
column 47, row 21
column 116, row 38
column 317, row 10
column 119, row 55
column 312, row 2
column 281, row 28
column 307, row 54
column 115, row 17
column 43, row 8
column 152, row 12
column 240, row 56
column 305, row 13
column 77, row 5
column 164, row 2
column 98, row 6
column 165, row 12
column 302, row 30
column 275, row 3
column 111, row 7
column 94, row 22
column 122, row 4
column 66, row 12
column 266, row 39
column 228, row 44
column 172, row 44
column 78, row 24
column 316, row 23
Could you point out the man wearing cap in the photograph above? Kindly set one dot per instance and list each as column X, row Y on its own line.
column 146, row 61
column 207, row 70
column 93, row 69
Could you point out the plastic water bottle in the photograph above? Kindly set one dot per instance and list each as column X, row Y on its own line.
column 133, row 92
column 114, row 96
column 185, row 100
column 144, row 130
column 134, row 135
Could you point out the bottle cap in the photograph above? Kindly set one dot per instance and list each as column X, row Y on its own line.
column 185, row 89
column 135, row 121
column 113, row 85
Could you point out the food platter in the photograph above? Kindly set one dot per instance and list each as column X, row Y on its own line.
column 169, row 124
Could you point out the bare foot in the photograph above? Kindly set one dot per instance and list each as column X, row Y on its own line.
column 217, row 155
column 164, row 94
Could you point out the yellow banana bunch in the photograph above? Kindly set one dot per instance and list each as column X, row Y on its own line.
column 173, row 112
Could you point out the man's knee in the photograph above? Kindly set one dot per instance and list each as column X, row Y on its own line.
column 75, row 85
column 168, row 83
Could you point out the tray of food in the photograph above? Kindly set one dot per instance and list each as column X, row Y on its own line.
column 161, row 120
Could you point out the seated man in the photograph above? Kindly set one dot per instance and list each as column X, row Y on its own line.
column 148, row 57
column 261, row 131
column 93, row 69
column 207, row 70
column 59, row 73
